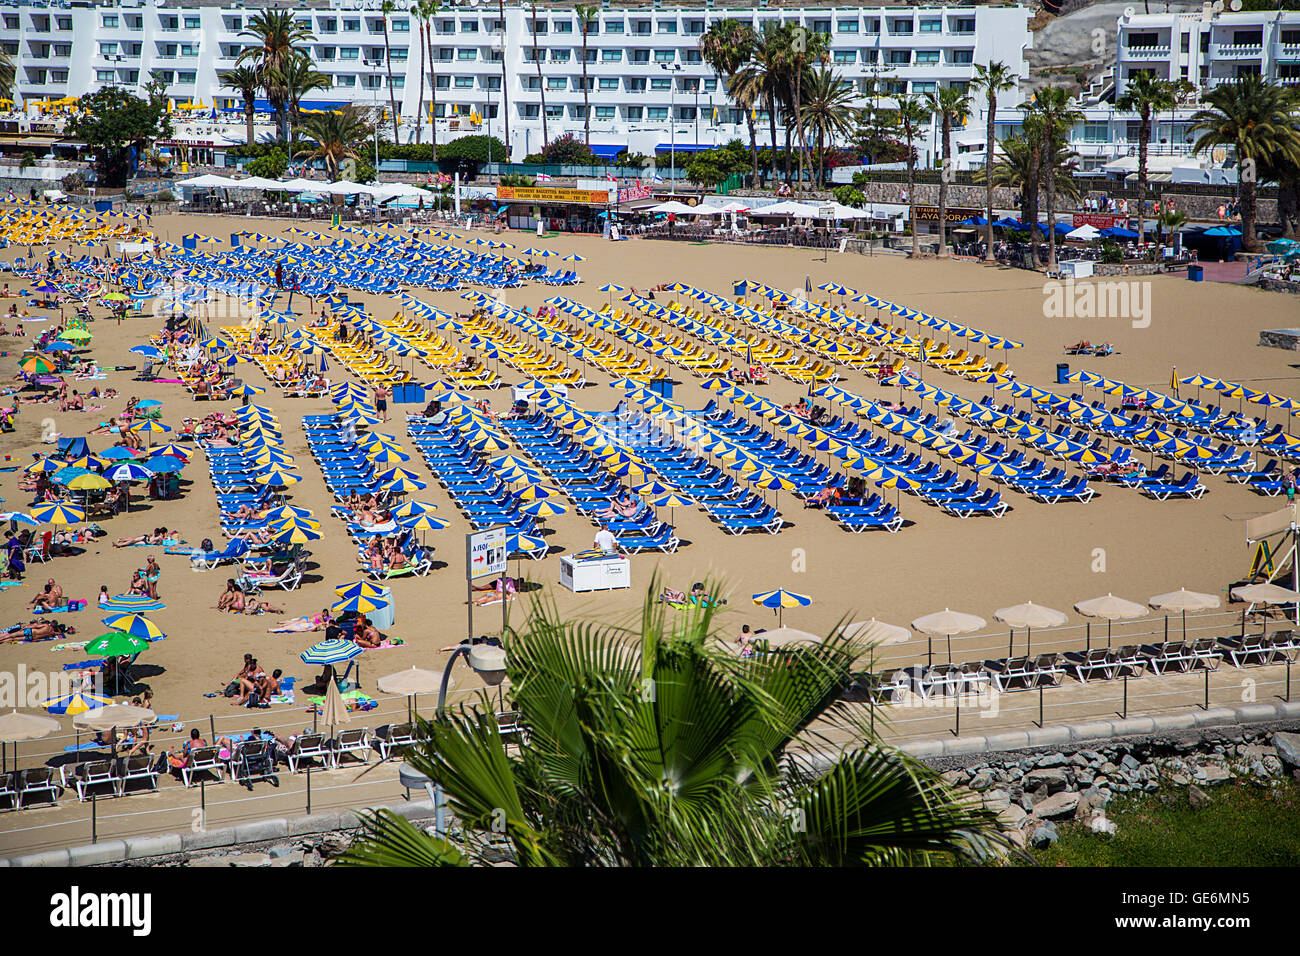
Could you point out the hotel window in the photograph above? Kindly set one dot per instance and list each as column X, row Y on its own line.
column 931, row 26
column 900, row 57
column 611, row 56
column 329, row 25
column 691, row 55
column 467, row 54
column 563, row 26
column 132, row 76
column 554, row 112
column 442, row 82
column 110, row 22
column 927, row 57
column 189, row 49
column 1096, row 132
column 193, row 23
column 234, row 24
column 186, row 78
column 105, row 76
column 399, row 54
column 638, row 56
column 401, row 26
column 532, row 83
column 846, row 26
column 464, row 82
column 695, row 28
column 821, row 26
column 443, row 54
column 169, row 23
column 537, row 26
column 351, row 26
column 660, row 84
column 345, row 80
column 326, row 53
column 665, row 56
column 657, row 113
column 64, row 23
column 711, row 85
column 492, row 83
column 560, row 56
column 922, row 87
column 613, row 26
column 900, row 27
column 590, row 56
column 397, row 82
column 529, row 111
column 469, row 26
column 350, row 53
column 845, row 57
column 963, row 57
column 609, row 83
column 557, row 82
column 641, row 27
column 63, row 49
column 686, row 112
column 108, row 49
column 963, row 25
column 871, row 26
column 604, row 112
column 634, row 84
column 667, row 26
column 633, row 113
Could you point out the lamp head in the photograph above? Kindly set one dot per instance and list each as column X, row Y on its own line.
column 489, row 663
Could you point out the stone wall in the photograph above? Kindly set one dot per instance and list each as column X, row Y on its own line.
column 1279, row 285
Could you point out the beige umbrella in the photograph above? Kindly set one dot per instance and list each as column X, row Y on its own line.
column 1183, row 600
column 948, row 623
column 786, row 636
column 1263, row 594
column 1029, row 616
column 112, row 717
column 1112, row 609
column 876, row 633
column 15, row 727
column 333, row 710
column 410, row 682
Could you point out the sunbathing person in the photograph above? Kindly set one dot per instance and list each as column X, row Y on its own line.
column 154, row 538
column 312, row 622
column 366, row 634
column 254, row 606
column 492, row 593
column 35, row 631
column 229, row 597
column 626, row 505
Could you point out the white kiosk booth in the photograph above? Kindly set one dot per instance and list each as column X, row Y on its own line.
column 595, row 571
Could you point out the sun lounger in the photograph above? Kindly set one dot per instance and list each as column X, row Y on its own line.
column 390, row 738
column 310, row 747
column 203, row 760
column 139, row 767
column 36, row 782
column 83, row 777
column 1099, row 662
column 354, row 742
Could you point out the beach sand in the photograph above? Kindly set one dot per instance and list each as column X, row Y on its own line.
column 1056, row 555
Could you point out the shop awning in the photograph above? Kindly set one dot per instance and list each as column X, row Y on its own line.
column 608, row 151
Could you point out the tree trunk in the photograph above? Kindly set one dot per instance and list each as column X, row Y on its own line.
column 1051, row 211
column 753, row 146
column 1144, row 137
column 911, row 195
column 419, row 103
column 798, row 122
column 788, row 165
column 586, row 102
column 943, row 187
column 821, row 161
column 433, row 94
column 988, row 178
column 1248, row 215
column 388, row 62
column 249, row 112
column 1031, row 204
column 505, row 90
column 541, row 88
column 771, row 121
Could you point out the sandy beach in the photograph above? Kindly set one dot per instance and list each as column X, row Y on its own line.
column 1056, row 555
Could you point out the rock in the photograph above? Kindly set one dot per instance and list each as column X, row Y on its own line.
column 1012, row 816
column 954, row 776
column 1108, row 769
column 1130, row 763
column 1026, row 799
column 981, row 781
column 1179, row 779
column 1078, row 760
column 1272, row 765
column 282, row 850
column 1058, row 805
column 332, row 844
column 1257, row 769
column 1213, row 774
column 248, row 859
column 1102, row 826
column 1017, row 838
column 1197, row 798
column 1052, row 781
column 1044, row 836
column 1085, row 778
column 997, row 799
column 214, row 859
column 1288, row 748
column 1255, row 752
column 1051, row 760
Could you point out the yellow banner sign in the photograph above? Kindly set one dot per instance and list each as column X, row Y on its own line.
column 548, row 194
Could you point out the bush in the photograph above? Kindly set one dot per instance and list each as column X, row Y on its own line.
column 481, row 149
column 165, row 195
column 568, row 150
column 270, row 166
column 28, row 160
column 365, row 171
column 849, row 196
column 73, row 183
column 1111, row 252
column 515, row 179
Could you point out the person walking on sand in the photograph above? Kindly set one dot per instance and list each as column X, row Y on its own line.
column 381, row 401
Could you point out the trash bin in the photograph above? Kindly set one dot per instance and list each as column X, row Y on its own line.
column 236, row 240
column 409, row 393
column 663, row 387
column 1062, row 373
column 103, row 205
column 1195, row 273
column 383, row 618
column 738, row 288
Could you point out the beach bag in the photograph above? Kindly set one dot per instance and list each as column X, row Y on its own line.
column 231, row 689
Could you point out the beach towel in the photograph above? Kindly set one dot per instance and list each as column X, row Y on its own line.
column 70, row 646
column 282, row 698
column 65, row 609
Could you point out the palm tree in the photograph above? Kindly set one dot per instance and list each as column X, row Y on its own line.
column 335, row 135
column 1055, row 115
column 386, row 10
column 1253, row 117
column 277, row 35
column 951, row 104
column 1170, row 222
column 650, row 747
column 586, row 17
column 806, row 47
column 541, row 89
column 419, row 103
column 828, row 111
column 993, row 78
column 1145, row 95
column 246, row 80
column 8, row 74
column 761, row 80
column 427, row 10
column 1020, row 165
column 300, row 77
column 913, row 114
column 726, row 47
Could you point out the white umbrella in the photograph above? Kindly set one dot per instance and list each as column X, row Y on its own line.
column 413, row 681
column 876, row 632
column 15, row 727
column 1112, row 609
column 1029, row 616
column 113, row 716
column 786, row 636
column 946, row 622
column 1085, row 233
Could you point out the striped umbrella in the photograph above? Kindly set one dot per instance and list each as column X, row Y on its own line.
column 334, row 651
column 358, row 589
column 77, row 702
column 672, row 501
column 296, row 536
column 544, row 508
column 358, row 605
column 58, row 513
column 412, row 508
column 288, row 511
column 278, row 479
column 136, row 625
column 779, row 600
column 403, row 486
column 129, row 471
column 423, row 522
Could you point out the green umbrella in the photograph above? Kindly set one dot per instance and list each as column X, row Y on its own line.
column 116, row 644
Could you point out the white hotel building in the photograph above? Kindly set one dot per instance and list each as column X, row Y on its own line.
column 648, row 86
